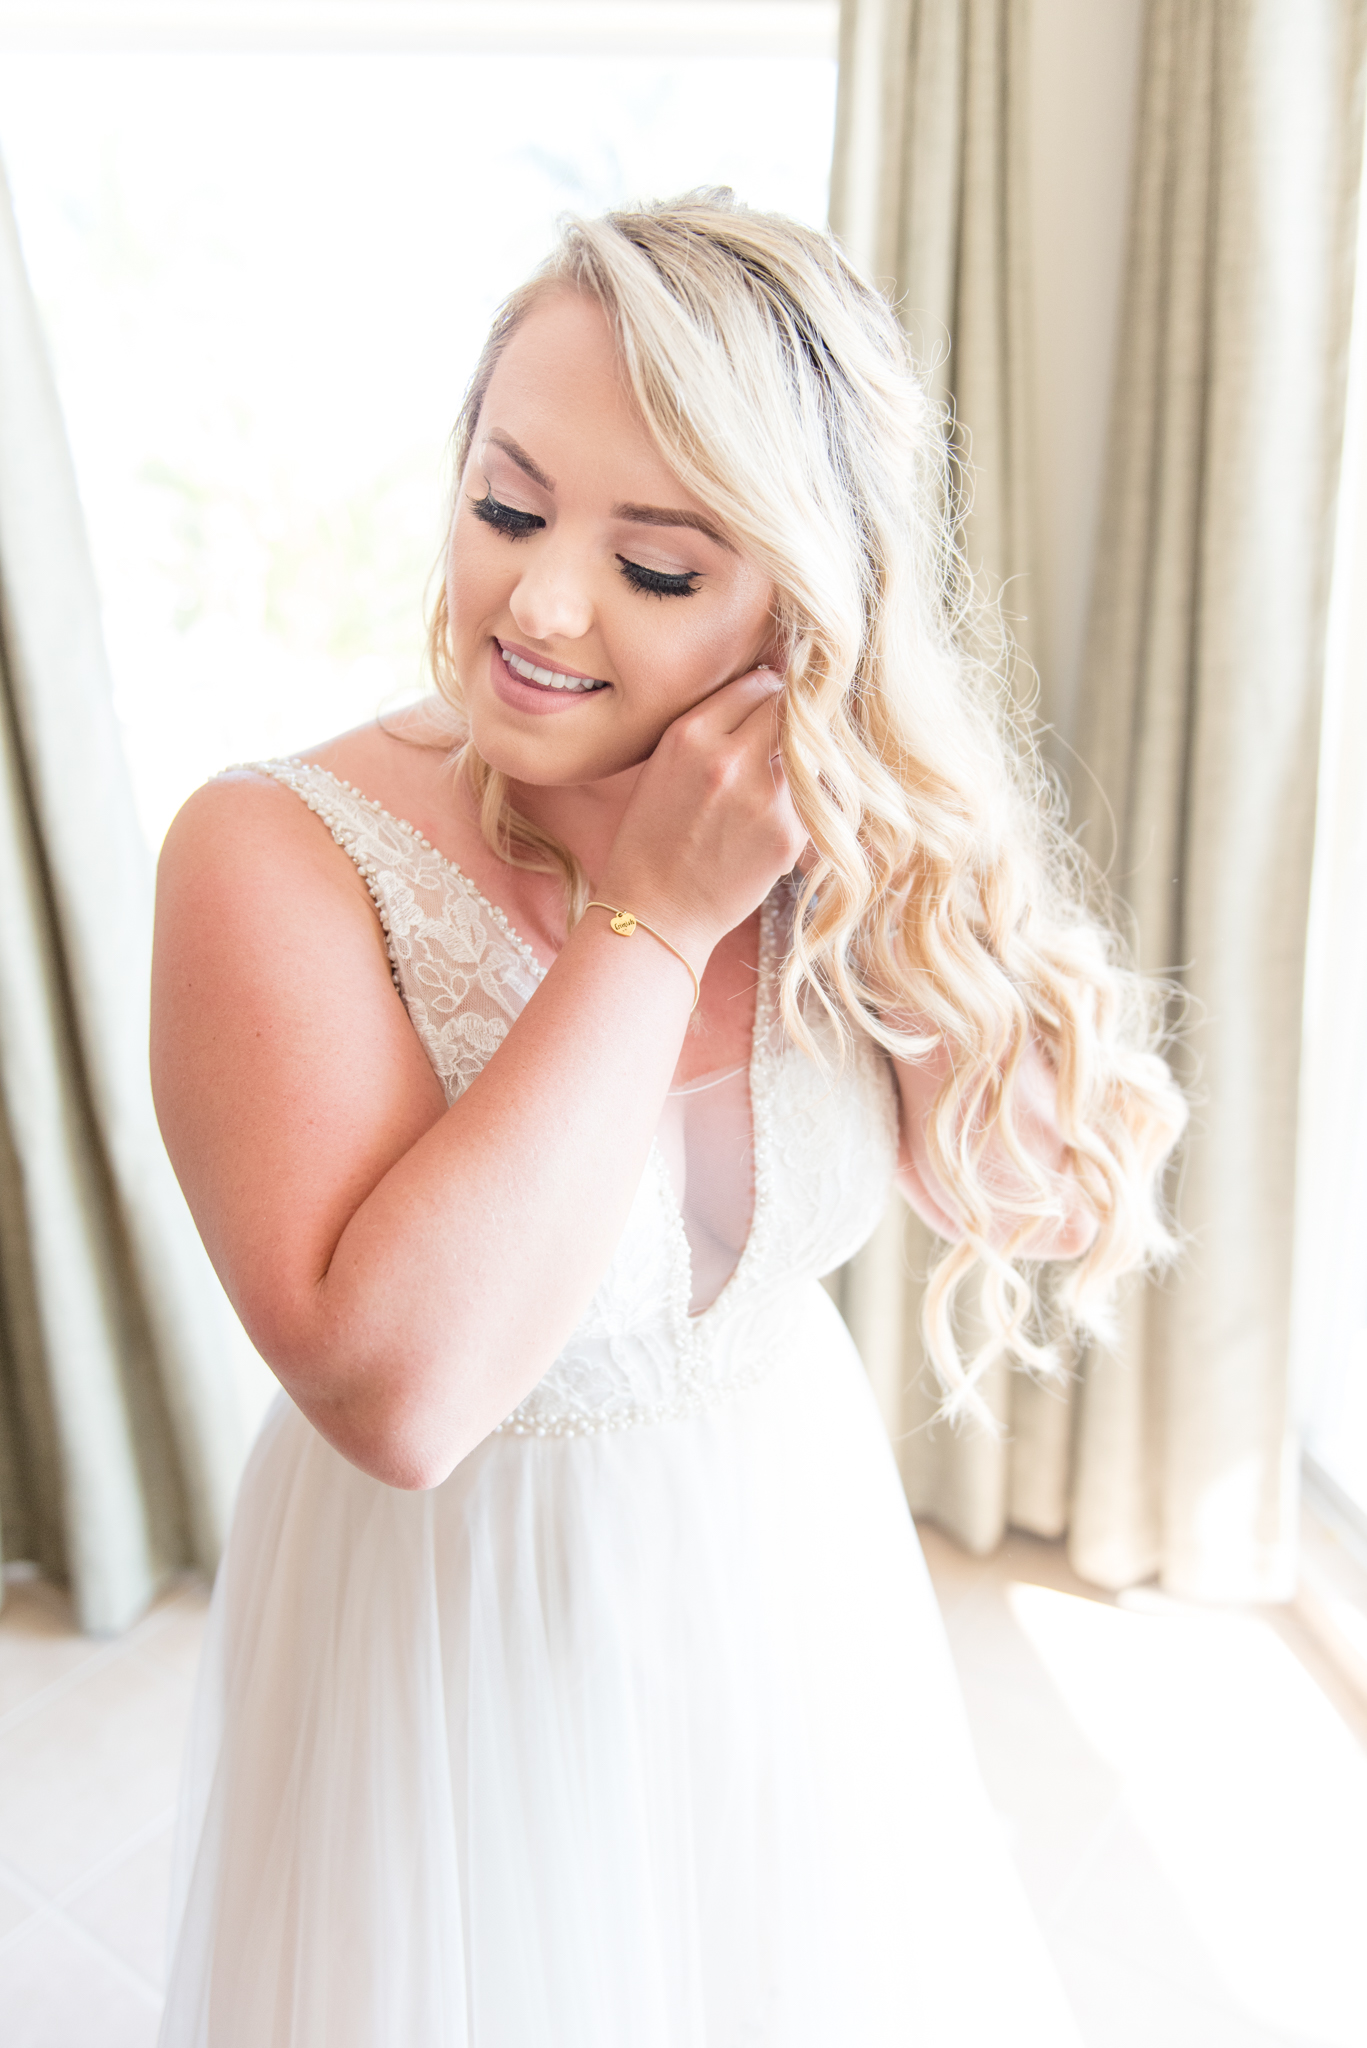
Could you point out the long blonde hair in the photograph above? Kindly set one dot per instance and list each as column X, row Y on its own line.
column 945, row 903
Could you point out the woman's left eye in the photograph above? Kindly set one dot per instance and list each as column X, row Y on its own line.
column 505, row 518
column 657, row 582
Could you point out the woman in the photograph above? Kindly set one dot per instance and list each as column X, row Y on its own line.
column 573, row 1676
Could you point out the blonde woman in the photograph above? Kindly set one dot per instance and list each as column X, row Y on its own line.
column 573, row 1678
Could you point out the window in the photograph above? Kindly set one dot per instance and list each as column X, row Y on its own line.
column 265, row 273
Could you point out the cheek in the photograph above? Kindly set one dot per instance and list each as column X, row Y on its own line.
column 457, row 580
column 684, row 648
column 476, row 576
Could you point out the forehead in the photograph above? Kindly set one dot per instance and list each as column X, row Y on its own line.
column 562, row 322
column 560, row 380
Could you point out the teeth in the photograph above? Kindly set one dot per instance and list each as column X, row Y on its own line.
column 549, row 678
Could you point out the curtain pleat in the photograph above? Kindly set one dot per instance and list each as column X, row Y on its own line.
column 120, row 1426
column 1172, row 1453
column 928, row 195
column 1200, row 722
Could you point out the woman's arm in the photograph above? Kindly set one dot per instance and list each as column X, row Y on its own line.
column 411, row 1270
column 1034, row 1096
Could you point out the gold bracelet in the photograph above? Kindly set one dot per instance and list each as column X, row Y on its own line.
column 624, row 924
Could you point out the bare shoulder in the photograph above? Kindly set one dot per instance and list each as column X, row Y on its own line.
column 286, row 1073
column 246, row 873
column 245, row 828
column 243, row 815
column 249, row 874
column 213, row 806
column 259, row 913
column 258, row 908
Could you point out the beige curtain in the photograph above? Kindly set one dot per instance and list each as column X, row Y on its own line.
column 1199, row 705
column 927, row 194
column 120, row 1431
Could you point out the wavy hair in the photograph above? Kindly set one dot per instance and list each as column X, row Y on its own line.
column 945, row 905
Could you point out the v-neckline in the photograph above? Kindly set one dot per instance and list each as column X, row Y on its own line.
column 758, row 1142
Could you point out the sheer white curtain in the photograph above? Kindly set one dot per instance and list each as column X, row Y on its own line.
column 1198, row 711
column 120, row 1434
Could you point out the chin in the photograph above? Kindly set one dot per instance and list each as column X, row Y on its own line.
column 553, row 751
column 544, row 761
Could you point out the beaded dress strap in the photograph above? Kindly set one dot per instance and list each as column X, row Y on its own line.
column 353, row 818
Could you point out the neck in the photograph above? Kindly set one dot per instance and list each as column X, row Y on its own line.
column 583, row 816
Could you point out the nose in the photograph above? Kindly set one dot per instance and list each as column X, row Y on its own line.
column 551, row 599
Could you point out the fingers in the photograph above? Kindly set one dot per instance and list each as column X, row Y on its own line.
column 729, row 708
column 752, row 712
column 761, row 722
column 766, row 720
column 741, row 723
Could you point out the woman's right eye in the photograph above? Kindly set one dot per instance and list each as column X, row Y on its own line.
column 505, row 518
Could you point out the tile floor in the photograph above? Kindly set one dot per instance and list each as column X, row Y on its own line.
column 1185, row 1790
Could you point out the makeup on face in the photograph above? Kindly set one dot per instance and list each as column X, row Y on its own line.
column 584, row 581
column 525, row 684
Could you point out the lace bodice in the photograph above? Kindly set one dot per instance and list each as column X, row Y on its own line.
column 823, row 1144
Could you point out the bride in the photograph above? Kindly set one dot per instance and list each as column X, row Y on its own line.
column 573, row 1679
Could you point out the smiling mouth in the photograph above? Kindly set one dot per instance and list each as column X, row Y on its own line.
column 546, row 678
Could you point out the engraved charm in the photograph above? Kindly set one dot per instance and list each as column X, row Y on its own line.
column 624, row 924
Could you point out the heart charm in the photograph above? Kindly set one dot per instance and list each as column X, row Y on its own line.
column 624, row 924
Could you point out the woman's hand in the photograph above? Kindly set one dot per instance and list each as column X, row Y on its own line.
column 711, row 824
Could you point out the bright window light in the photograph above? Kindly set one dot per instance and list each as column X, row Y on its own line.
column 1249, row 1877
column 264, row 279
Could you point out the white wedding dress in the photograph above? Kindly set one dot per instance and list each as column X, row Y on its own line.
column 639, row 1731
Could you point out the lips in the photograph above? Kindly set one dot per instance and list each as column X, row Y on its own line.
column 514, row 677
column 545, row 677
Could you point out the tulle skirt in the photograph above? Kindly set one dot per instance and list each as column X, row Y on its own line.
column 646, row 1740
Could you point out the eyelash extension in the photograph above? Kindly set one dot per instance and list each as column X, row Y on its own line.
column 515, row 525
column 656, row 583
column 505, row 519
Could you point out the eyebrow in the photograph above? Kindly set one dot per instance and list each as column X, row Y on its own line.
column 659, row 515
column 636, row 515
column 521, row 458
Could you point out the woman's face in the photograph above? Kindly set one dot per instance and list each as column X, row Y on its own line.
column 576, row 553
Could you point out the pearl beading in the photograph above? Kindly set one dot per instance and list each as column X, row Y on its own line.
column 299, row 776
